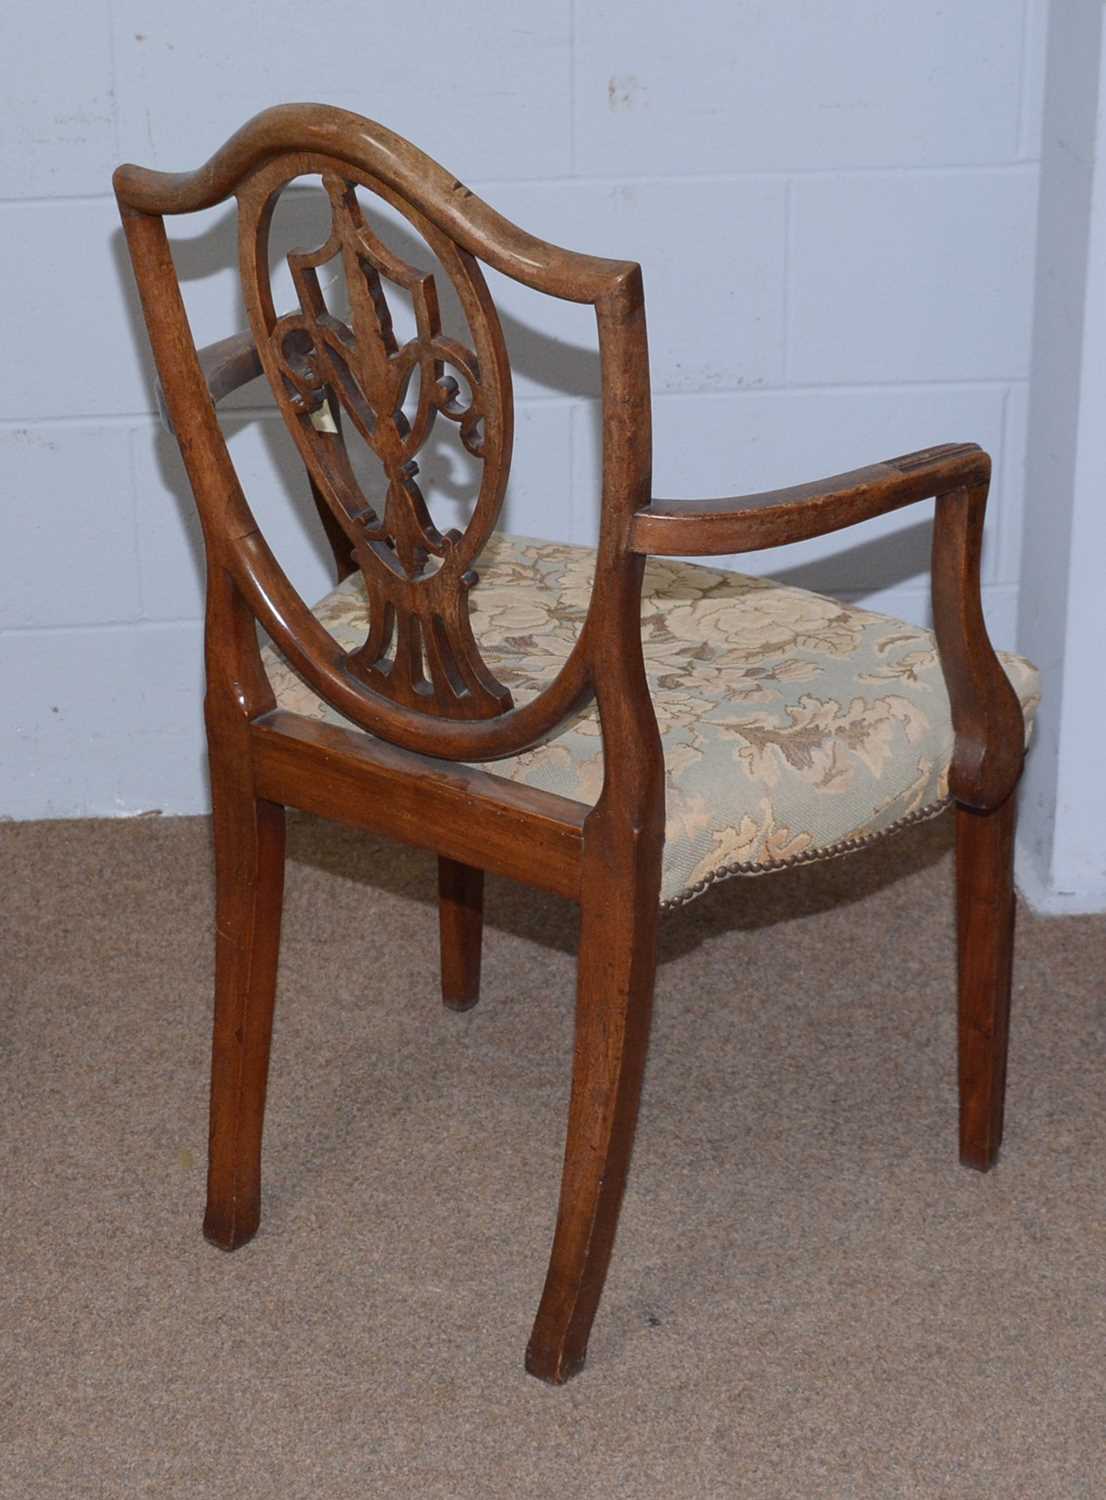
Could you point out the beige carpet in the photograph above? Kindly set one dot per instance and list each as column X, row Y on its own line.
column 809, row 1298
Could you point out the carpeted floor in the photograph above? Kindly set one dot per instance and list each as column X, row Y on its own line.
column 809, row 1298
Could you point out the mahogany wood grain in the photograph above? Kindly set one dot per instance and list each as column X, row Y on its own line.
column 614, row 1003
column 340, row 545
column 620, row 884
column 989, row 749
column 454, row 208
column 462, row 812
column 774, row 518
column 249, row 887
column 248, row 835
column 230, row 364
column 227, row 364
column 461, row 929
column 989, row 729
column 985, row 943
column 232, row 532
column 418, row 689
column 420, row 651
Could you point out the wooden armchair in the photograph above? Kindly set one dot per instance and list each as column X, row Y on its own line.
column 542, row 721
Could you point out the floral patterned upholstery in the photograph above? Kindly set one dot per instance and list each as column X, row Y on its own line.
column 794, row 727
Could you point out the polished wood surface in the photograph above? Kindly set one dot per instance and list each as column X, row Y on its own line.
column 248, row 832
column 773, row 518
column 985, row 949
column 989, row 745
column 420, row 650
column 506, row 827
column 461, row 929
column 418, row 688
column 370, row 147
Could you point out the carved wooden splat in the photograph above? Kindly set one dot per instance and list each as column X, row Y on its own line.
column 420, row 649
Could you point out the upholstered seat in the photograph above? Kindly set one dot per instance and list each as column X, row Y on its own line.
column 795, row 727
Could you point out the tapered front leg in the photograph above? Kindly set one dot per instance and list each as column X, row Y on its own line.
column 988, row 750
column 461, row 924
column 249, row 886
column 985, row 931
column 615, row 977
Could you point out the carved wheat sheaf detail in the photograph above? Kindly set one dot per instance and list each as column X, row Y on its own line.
column 420, row 649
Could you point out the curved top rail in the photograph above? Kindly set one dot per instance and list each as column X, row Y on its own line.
column 326, row 130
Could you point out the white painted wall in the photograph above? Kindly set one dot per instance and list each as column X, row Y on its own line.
column 834, row 205
column 1062, row 836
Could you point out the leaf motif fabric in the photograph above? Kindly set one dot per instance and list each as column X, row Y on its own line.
column 794, row 727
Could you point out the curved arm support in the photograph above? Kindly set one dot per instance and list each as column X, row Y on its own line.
column 745, row 523
column 986, row 716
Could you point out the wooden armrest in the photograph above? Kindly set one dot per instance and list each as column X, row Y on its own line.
column 230, row 363
column 987, row 718
column 745, row 523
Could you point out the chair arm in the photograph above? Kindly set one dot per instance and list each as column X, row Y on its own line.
column 988, row 725
column 987, row 719
column 226, row 365
column 745, row 523
column 231, row 362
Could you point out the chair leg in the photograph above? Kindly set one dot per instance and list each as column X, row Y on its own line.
column 461, row 924
column 985, row 930
column 615, row 977
column 249, row 887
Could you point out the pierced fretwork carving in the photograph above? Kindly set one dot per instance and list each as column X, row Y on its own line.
column 420, row 649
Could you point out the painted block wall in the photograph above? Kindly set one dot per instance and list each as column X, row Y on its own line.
column 1062, row 814
column 835, row 207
